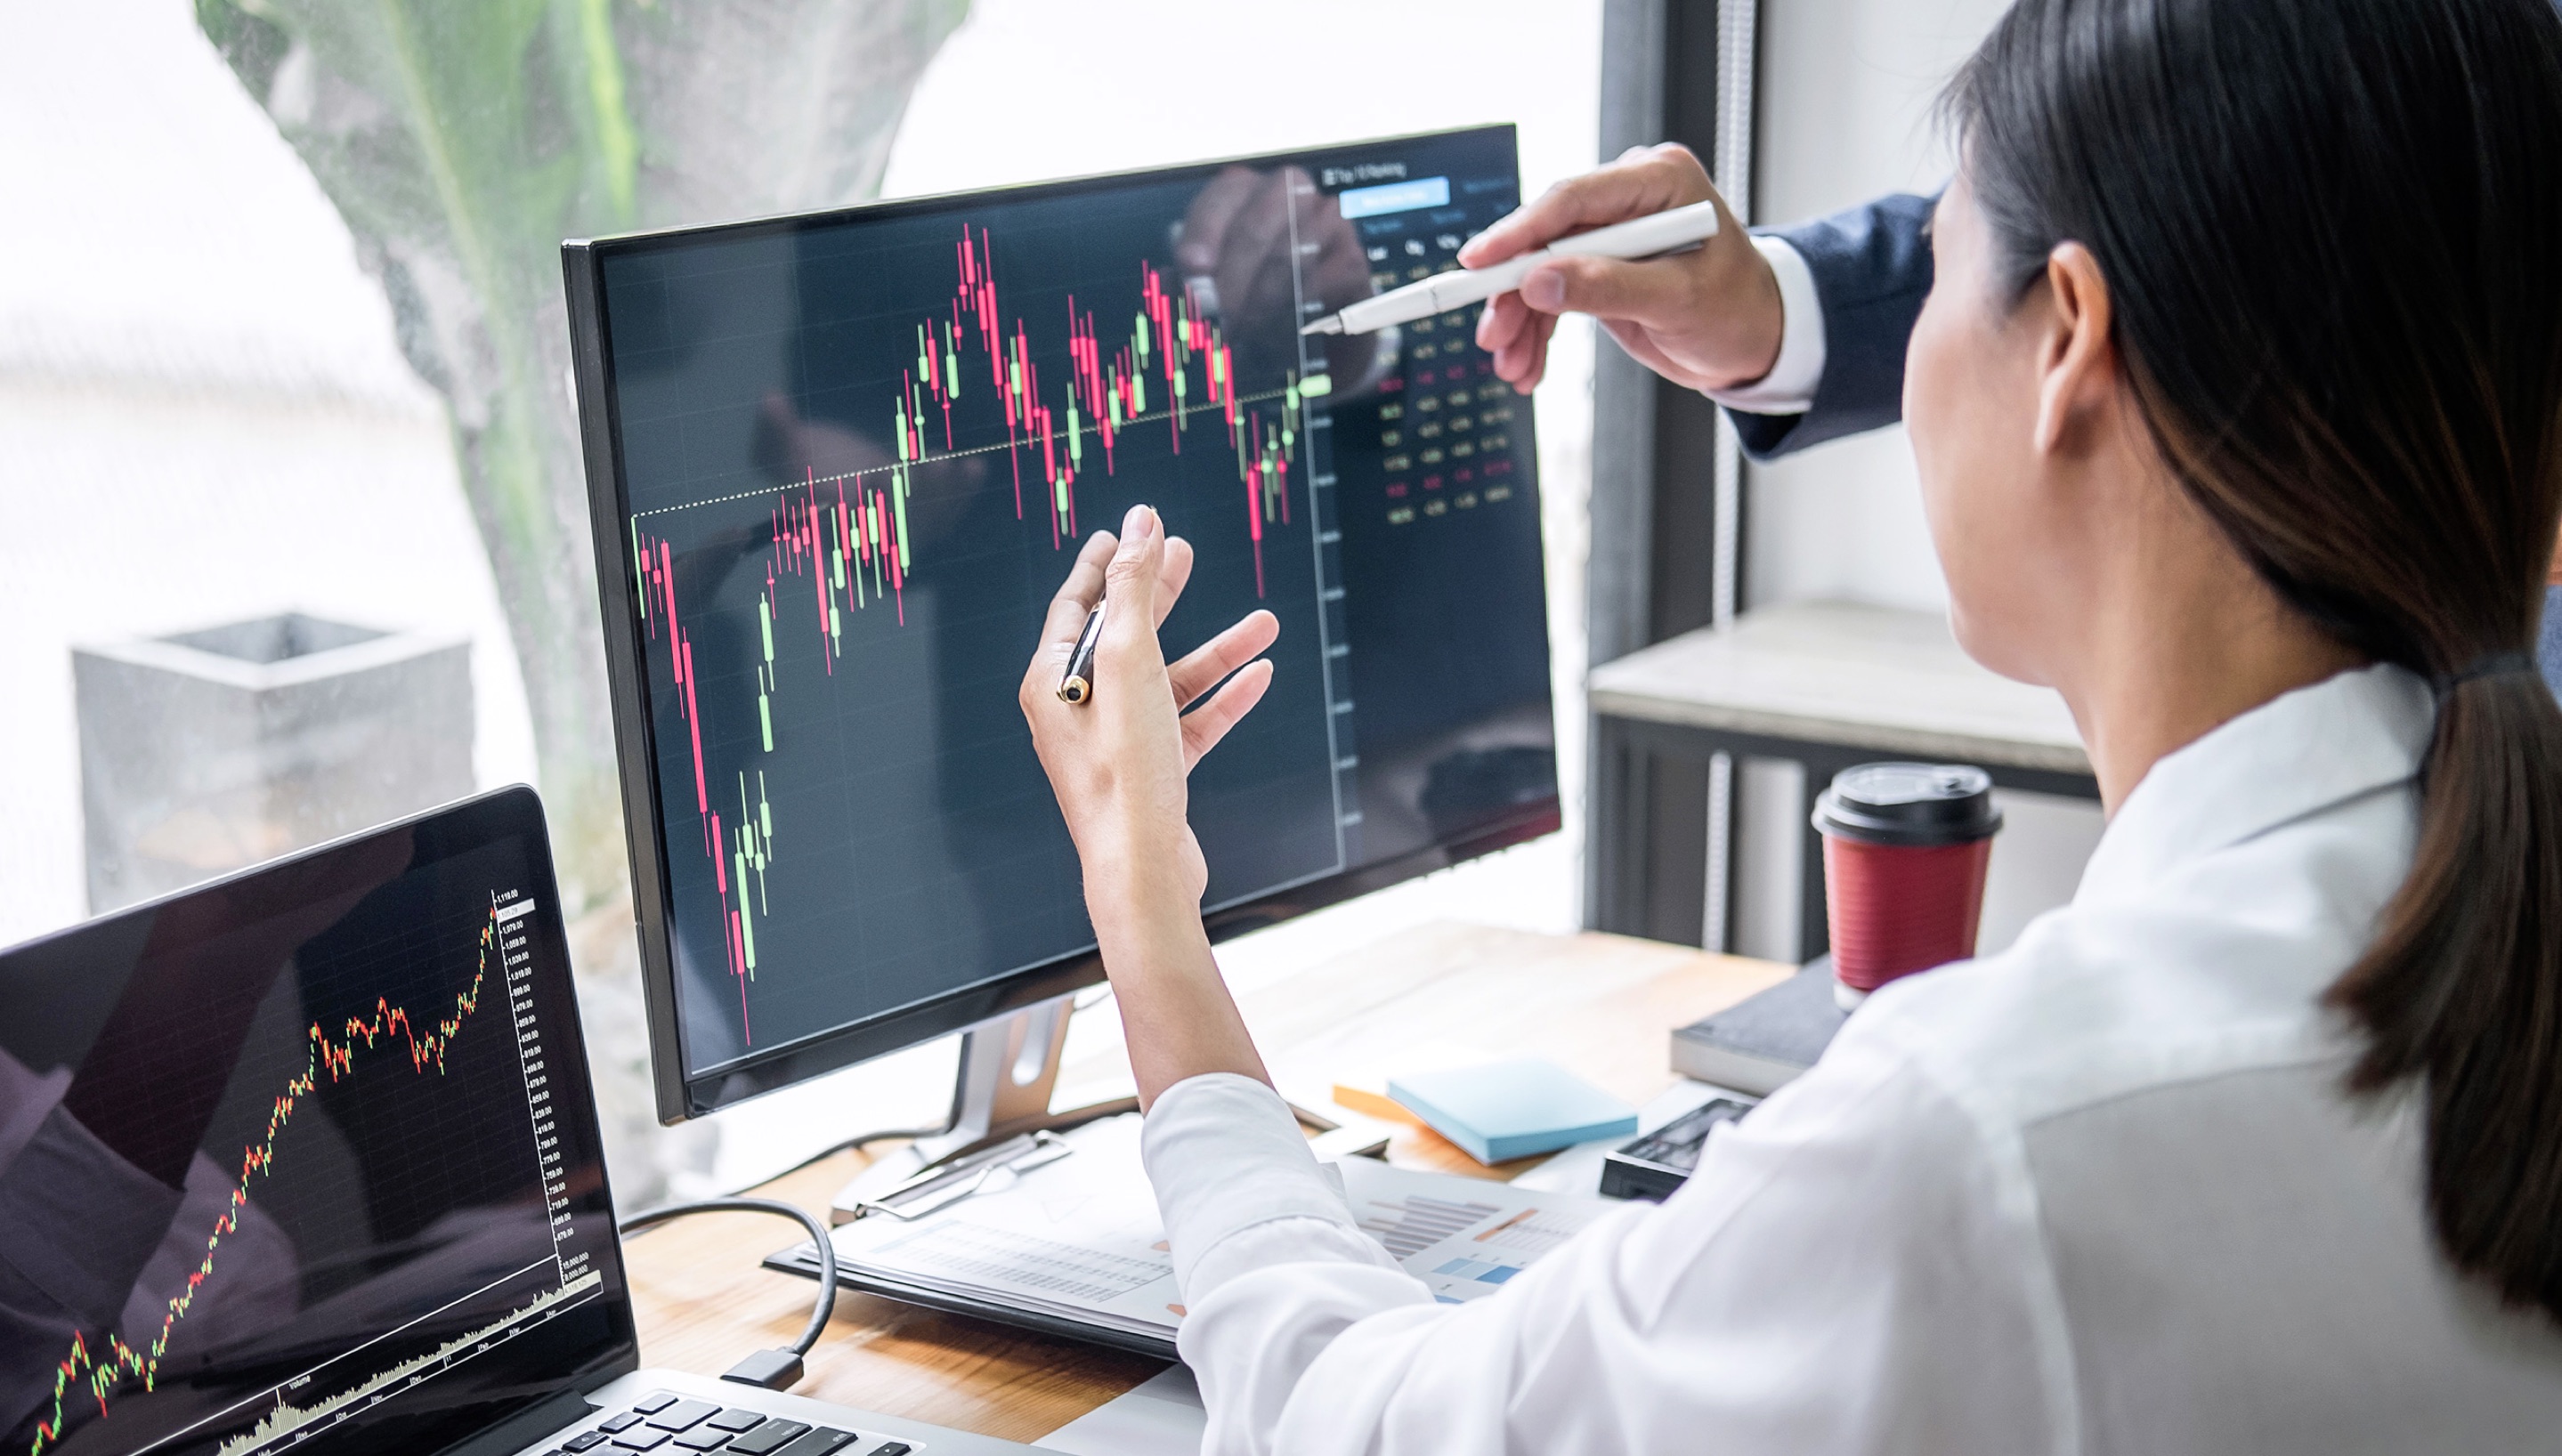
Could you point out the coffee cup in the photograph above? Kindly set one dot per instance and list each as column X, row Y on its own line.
column 1906, row 848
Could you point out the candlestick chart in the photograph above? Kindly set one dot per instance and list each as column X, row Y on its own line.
column 381, row 1193
column 841, row 546
column 839, row 464
column 97, row 1373
column 847, row 532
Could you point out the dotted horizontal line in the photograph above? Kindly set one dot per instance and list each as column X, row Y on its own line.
column 1127, row 424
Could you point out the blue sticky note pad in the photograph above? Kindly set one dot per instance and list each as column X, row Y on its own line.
column 1513, row 1109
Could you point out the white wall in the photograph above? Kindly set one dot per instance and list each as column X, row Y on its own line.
column 1846, row 95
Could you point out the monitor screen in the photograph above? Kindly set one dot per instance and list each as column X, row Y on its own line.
column 305, row 1159
column 840, row 464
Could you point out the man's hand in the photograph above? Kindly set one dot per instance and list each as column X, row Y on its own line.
column 1706, row 320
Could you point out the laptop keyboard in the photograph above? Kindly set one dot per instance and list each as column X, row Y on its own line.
column 672, row 1425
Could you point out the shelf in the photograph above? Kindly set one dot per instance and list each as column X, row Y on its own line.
column 1870, row 677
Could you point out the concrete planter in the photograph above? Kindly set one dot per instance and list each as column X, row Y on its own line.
column 212, row 750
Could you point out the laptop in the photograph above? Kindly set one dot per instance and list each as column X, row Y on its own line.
column 307, row 1159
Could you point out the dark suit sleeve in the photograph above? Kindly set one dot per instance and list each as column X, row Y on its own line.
column 1872, row 269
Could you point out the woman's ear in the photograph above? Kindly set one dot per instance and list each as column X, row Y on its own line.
column 2077, row 363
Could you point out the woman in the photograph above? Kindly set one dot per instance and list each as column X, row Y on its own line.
column 2237, row 407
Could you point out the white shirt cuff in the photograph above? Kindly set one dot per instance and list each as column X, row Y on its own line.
column 1224, row 1155
column 1789, row 387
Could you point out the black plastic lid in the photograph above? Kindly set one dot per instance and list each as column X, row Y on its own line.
column 1910, row 804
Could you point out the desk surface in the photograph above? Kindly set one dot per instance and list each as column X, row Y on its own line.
column 1600, row 1005
column 1840, row 672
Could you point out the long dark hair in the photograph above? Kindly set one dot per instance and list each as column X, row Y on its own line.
column 2332, row 239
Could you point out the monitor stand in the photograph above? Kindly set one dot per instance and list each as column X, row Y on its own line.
column 1008, row 1068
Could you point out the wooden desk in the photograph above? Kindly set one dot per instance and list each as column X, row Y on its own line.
column 1597, row 1004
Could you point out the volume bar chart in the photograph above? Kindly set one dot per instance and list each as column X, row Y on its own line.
column 289, row 1422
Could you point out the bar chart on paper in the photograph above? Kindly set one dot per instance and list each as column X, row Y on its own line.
column 1462, row 1246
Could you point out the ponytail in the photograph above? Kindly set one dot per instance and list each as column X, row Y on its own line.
column 2461, row 994
column 2331, row 234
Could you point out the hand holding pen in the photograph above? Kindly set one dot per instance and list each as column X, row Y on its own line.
column 1119, row 760
column 1117, row 727
column 1708, row 318
column 1076, row 681
column 1675, row 230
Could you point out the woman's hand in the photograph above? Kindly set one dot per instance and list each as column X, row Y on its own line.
column 1705, row 320
column 1119, row 761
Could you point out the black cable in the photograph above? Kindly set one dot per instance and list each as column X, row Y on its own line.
column 775, row 1370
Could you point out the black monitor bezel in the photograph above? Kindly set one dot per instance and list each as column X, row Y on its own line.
column 679, row 1097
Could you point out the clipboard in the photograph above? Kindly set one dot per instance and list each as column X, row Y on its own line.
column 802, row 1260
column 1074, row 1246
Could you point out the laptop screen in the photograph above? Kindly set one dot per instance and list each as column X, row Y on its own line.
column 305, row 1158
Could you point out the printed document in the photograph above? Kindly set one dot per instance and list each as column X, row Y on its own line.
column 1079, row 1238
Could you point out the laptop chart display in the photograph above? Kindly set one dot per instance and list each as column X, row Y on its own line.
column 304, row 1159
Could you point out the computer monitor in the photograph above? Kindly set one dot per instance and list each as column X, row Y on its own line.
column 305, row 1159
column 838, row 465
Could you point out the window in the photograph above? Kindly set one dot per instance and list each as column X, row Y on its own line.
column 267, row 357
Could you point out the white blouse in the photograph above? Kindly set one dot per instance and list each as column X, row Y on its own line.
column 2100, row 1192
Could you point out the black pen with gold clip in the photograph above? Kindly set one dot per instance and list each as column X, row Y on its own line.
column 1076, row 684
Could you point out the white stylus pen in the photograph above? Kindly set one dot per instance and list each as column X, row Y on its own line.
column 1645, row 236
